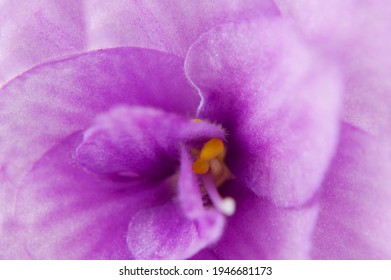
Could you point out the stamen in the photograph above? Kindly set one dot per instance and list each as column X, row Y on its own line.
column 229, row 206
column 210, row 164
column 216, row 168
column 200, row 166
column 225, row 205
column 212, row 149
column 220, row 178
column 222, row 155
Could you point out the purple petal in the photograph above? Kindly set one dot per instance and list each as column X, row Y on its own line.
column 169, row 26
column 327, row 23
column 163, row 232
column 11, row 242
column 68, row 213
column 10, row 231
column 278, row 101
column 260, row 230
column 355, row 213
column 367, row 67
column 179, row 229
column 35, row 31
column 141, row 140
column 206, row 254
column 189, row 193
column 49, row 102
column 357, row 33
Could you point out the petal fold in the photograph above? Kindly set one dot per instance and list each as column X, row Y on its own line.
column 141, row 140
column 163, row 232
column 178, row 229
column 355, row 211
column 277, row 99
column 356, row 34
column 54, row 100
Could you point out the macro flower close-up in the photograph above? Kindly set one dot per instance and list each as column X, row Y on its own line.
column 227, row 129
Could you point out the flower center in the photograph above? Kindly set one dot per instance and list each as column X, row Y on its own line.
column 214, row 172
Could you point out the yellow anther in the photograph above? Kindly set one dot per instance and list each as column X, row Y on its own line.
column 211, row 159
column 210, row 165
column 200, row 166
column 221, row 156
column 197, row 120
column 212, row 149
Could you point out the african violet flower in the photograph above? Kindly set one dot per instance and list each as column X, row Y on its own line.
column 256, row 139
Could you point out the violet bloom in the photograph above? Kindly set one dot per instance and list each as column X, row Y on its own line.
column 243, row 130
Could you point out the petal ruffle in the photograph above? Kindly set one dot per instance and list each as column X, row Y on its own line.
column 35, row 31
column 169, row 26
column 278, row 101
column 141, row 140
column 178, row 229
column 68, row 213
column 355, row 211
column 49, row 102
